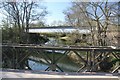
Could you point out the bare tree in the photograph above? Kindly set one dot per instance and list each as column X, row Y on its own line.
column 93, row 14
column 21, row 14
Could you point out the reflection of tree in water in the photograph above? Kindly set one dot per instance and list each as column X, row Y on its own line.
column 66, row 63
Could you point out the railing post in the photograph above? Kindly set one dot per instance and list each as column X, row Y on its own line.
column 53, row 64
column 88, row 60
column 93, row 60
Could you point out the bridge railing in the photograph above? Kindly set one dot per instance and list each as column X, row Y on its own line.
column 94, row 58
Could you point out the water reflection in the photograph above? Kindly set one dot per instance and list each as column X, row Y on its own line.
column 37, row 66
column 38, row 62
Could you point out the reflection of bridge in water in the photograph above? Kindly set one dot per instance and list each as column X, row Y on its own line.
column 93, row 55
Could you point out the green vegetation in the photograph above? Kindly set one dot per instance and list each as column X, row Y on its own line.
column 11, row 35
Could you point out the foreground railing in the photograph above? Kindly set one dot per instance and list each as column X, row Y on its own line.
column 94, row 58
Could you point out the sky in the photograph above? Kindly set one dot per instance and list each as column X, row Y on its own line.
column 55, row 10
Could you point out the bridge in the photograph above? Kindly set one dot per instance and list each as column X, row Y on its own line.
column 90, row 62
column 59, row 29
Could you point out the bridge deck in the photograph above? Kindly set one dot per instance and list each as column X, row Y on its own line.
column 9, row 73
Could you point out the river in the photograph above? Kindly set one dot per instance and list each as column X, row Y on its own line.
column 38, row 62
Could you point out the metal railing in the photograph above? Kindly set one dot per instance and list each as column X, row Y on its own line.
column 17, row 56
